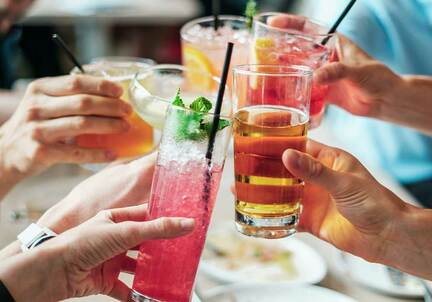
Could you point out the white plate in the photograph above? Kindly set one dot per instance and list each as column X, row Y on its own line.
column 379, row 277
column 310, row 266
column 275, row 293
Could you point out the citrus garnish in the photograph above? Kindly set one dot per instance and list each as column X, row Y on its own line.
column 263, row 53
column 198, row 64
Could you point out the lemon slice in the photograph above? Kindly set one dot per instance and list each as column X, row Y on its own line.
column 197, row 61
column 263, row 53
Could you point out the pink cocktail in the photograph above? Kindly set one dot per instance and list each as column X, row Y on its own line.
column 298, row 43
column 183, row 186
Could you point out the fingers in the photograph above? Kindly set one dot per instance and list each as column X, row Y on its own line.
column 129, row 265
column 311, row 170
column 133, row 233
column 76, row 84
column 51, row 131
column 286, row 21
column 76, row 155
column 120, row 291
column 135, row 213
column 81, row 105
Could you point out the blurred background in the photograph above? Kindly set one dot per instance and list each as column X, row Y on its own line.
column 139, row 28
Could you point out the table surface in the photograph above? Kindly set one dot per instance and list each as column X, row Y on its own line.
column 130, row 12
column 29, row 190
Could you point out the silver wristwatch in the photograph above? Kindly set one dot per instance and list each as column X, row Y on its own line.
column 34, row 235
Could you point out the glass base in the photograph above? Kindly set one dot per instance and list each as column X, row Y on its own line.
column 135, row 296
column 269, row 228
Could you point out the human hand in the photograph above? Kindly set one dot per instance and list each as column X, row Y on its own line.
column 358, row 83
column 87, row 260
column 11, row 10
column 345, row 206
column 54, row 110
column 119, row 186
column 343, row 203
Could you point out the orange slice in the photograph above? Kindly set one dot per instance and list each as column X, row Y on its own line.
column 263, row 53
column 196, row 60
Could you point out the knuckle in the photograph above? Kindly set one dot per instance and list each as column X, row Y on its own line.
column 82, row 122
column 104, row 86
column 315, row 169
column 74, row 83
column 39, row 151
column 33, row 113
column 36, row 132
column 85, row 103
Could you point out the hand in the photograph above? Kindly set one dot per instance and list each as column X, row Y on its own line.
column 10, row 11
column 52, row 111
column 119, row 186
column 358, row 83
column 345, row 206
column 87, row 260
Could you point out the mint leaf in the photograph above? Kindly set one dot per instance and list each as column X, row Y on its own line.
column 207, row 126
column 223, row 124
column 178, row 100
column 250, row 12
column 201, row 104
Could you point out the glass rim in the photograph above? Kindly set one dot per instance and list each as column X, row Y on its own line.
column 258, row 20
column 122, row 59
column 296, row 70
column 193, row 22
column 138, row 76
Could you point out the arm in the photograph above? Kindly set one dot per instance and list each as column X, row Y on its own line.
column 77, row 266
column 115, row 187
column 345, row 206
column 365, row 87
column 52, row 110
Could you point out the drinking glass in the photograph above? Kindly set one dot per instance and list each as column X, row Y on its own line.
column 272, row 116
column 204, row 48
column 185, row 184
column 298, row 44
column 152, row 91
column 139, row 138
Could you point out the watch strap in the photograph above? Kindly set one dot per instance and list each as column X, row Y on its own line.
column 34, row 235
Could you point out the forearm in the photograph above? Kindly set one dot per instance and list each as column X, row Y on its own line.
column 410, row 104
column 27, row 276
column 410, row 247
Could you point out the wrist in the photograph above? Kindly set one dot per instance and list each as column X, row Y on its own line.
column 9, row 176
column 409, row 248
column 29, row 276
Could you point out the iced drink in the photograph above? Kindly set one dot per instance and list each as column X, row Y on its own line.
column 204, row 49
column 184, row 185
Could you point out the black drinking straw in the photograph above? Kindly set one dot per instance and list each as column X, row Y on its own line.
column 216, row 11
column 219, row 101
column 60, row 43
column 215, row 124
column 338, row 22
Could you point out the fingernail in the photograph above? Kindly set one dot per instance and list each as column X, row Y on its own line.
column 116, row 90
column 187, row 224
column 110, row 155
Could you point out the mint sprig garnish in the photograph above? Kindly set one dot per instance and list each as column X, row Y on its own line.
column 250, row 12
column 194, row 124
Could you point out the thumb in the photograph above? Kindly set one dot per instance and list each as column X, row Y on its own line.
column 337, row 71
column 311, row 170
